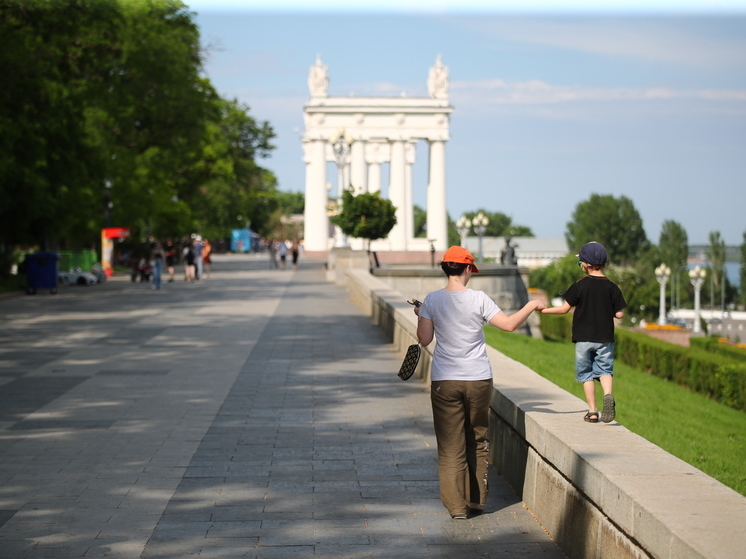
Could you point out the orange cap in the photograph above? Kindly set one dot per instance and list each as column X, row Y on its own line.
column 461, row 256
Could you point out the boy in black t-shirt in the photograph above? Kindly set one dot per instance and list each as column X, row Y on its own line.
column 597, row 301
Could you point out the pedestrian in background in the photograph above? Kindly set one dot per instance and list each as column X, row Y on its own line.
column 187, row 257
column 282, row 249
column 170, row 252
column 156, row 257
column 272, row 246
column 197, row 247
column 207, row 257
column 461, row 379
column 294, row 251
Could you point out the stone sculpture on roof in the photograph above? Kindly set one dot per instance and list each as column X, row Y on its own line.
column 318, row 79
column 437, row 81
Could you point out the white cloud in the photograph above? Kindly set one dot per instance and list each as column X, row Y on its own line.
column 649, row 39
column 536, row 92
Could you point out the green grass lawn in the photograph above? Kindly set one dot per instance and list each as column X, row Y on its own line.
column 707, row 435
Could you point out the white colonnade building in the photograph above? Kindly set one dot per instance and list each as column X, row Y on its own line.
column 378, row 130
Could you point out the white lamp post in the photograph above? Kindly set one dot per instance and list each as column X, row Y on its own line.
column 662, row 273
column 480, row 223
column 341, row 143
column 463, row 225
column 697, row 277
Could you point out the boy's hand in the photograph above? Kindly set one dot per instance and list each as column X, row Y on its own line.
column 540, row 306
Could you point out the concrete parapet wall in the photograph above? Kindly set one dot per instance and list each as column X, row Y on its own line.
column 598, row 489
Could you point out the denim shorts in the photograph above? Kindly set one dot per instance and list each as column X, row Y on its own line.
column 593, row 360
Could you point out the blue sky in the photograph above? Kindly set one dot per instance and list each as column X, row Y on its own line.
column 553, row 101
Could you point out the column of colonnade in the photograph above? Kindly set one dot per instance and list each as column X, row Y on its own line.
column 377, row 131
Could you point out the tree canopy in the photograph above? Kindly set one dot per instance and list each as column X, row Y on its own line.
column 105, row 101
column 613, row 222
column 365, row 216
column 742, row 269
column 673, row 245
column 500, row 225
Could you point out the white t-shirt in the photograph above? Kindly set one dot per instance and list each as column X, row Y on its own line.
column 459, row 318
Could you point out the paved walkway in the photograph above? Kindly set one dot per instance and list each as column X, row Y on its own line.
column 253, row 414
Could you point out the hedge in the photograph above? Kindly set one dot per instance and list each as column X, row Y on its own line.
column 714, row 346
column 718, row 376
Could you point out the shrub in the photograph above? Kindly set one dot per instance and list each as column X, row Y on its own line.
column 713, row 345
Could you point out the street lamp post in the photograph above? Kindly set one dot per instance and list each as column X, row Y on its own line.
column 463, row 225
column 480, row 223
column 662, row 273
column 108, row 204
column 697, row 278
column 341, row 143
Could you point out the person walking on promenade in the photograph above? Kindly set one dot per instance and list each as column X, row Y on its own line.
column 170, row 251
column 272, row 246
column 461, row 376
column 157, row 257
column 187, row 257
column 597, row 301
column 282, row 248
column 197, row 247
column 207, row 257
column 294, row 250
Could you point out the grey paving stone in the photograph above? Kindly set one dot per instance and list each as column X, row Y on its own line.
column 247, row 416
column 127, row 372
column 282, row 551
column 25, row 395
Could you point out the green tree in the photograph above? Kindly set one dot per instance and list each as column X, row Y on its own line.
column 613, row 222
column 716, row 255
column 501, row 225
column 111, row 92
column 223, row 183
column 673, row 245
column 742, row 270
column 420, row 222
column 639, row 286
column 555, row 278
column 55, row 57
column 154, row 117
column 291, row 203
column 365, row 216
column 673, row 249
column 454, row 239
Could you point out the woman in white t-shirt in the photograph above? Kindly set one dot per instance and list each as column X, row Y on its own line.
column 461, row 378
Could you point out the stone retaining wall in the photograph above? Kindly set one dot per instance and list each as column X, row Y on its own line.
column 598, row 489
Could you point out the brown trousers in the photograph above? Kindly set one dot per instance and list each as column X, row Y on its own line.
column 461, row 419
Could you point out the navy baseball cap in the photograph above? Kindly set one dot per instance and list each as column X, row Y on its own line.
column 593, row 253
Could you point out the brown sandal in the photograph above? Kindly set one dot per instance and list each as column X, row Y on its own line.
column 591, row 417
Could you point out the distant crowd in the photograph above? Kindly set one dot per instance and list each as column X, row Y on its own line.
column 281, row 249
column 195, row 255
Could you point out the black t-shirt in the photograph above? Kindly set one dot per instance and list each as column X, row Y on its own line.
column 596, row 299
